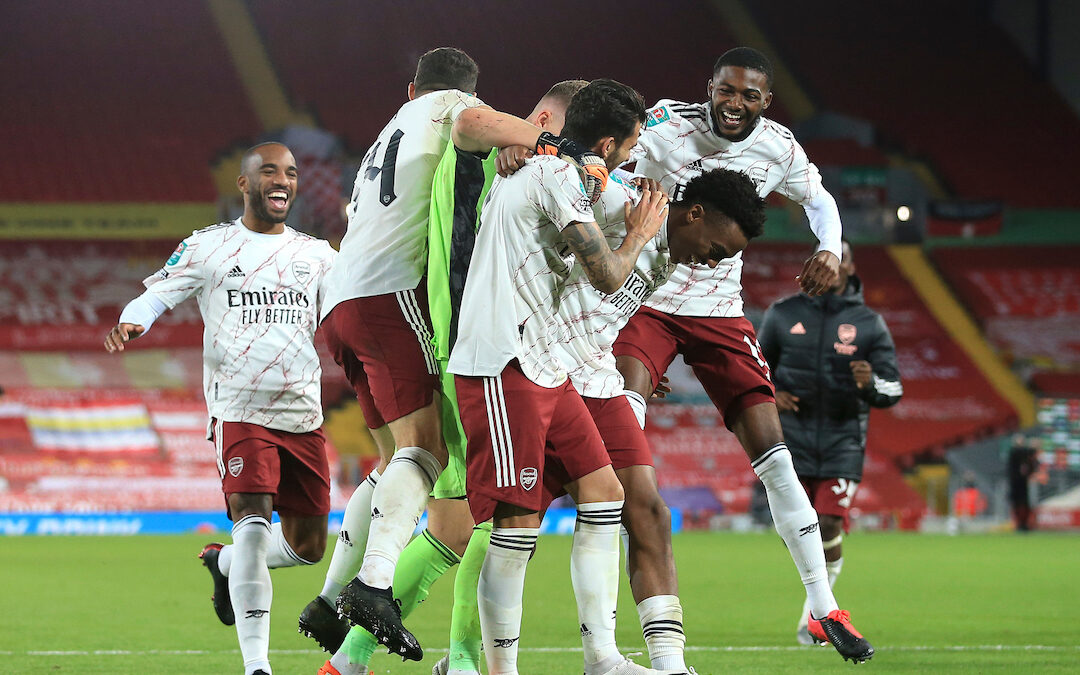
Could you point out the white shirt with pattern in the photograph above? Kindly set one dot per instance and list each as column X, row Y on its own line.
column 679, row 143
column 259, row 296
column 384, row 249
column 517, row 273
column 590, row 320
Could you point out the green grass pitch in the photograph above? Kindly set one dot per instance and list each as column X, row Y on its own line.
column 993, row 603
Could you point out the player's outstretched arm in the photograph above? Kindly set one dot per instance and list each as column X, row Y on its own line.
column 607, row 269
column 135, row 320
column 481, row 129
column 121, row 333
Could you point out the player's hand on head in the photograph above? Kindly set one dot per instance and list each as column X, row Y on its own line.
column 643, row 183
column 862, row 372
column 819, row 273
column 510, row 159
column 786, row 401
column 645, row 218
column 121, row 333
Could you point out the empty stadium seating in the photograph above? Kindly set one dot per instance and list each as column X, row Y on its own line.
column 1027, row 299
column 351, row 67
column 955, row 104
column 117, row 102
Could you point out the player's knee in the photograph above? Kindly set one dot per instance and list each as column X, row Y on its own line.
column 311, row 548
column 647, row 514
column 831, row 526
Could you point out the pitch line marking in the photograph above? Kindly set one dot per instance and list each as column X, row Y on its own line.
column 558, row 650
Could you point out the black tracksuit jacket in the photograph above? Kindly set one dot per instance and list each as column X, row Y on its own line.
column 809, row 344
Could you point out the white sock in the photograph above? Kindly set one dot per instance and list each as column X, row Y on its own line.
column 637, row 404
column 833, row 568
column 594, row 574
column 797, row 523
column 502, row 582
column 661, row 624
column 625, row 537
column 251, row 592
column 352, row 539
column 396, row 505
column 224, row 560
column 340, row 661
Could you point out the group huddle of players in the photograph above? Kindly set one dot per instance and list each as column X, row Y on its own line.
column 505, row 302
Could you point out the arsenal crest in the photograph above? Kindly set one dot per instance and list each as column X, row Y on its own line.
column 528, row 478
column 846, row 333
column 301, row 270
column 236, row 465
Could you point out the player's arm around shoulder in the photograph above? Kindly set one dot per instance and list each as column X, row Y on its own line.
column 480, row 128
column 608, row 269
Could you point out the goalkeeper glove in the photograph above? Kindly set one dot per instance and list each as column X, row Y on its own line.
column 591, row 167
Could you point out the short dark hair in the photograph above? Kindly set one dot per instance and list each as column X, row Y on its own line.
column 731, row 193
column 746, row 57
column 256, row 151
column 603, row 108
column 565, row 91
column 446, row 68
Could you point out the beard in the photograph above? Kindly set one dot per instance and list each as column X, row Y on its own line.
column 262, row 211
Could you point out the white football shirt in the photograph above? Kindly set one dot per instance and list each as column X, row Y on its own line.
column 259, row 296
column 517, row 271
column 680, row 143
column 590, row 320
column 384, row 249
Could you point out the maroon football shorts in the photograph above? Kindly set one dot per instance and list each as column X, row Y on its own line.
column 831, row 496
column 291, row 467
column 509, row 422
column 383, row 343
column 723, row 352
column 618, row 426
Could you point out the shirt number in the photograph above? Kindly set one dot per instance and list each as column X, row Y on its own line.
column 386, row 171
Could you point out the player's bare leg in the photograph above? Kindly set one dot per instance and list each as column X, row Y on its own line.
column 636, row 378
column 319, row 620
column 650, row 560
column 651, row 566
column 758, row 430
column 396, row 505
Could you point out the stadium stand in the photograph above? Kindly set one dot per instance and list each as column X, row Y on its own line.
column 953, row 105
column 323, row 53
column 131, row 111
column 1027, row 299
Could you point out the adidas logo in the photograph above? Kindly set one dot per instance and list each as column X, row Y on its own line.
column 344, row 537
column 585, row 630
column 235, row 272
column 798, row 329
column 695, row 165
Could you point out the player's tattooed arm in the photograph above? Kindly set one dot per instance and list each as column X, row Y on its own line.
column 607, row 269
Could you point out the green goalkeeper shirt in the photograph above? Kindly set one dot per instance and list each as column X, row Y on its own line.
column 462, row 180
